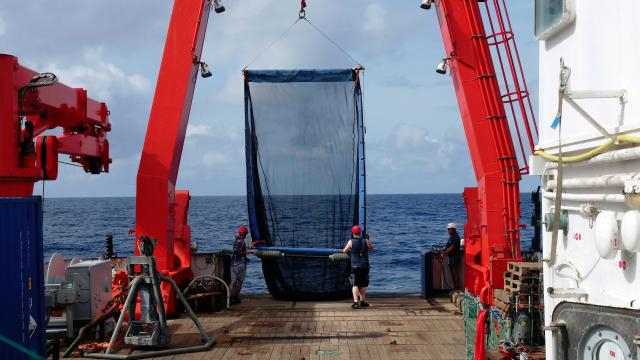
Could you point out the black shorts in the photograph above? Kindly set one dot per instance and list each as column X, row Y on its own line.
column 360, row 276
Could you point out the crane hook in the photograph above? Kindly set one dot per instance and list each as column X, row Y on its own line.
column 303, row 5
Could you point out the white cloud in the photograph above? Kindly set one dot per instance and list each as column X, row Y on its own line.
column 102, row 79
column 393, row 43
column 412, row 160
column 3, row 26
column 215, row 158
column 374, row 18
column 232, row 92
column 198, row 130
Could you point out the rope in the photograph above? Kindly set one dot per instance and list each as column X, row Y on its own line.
column 67, row 163
column 21, row 348
column 565, row 72
column 302, row 16
column 332, row 42
column 275, row 41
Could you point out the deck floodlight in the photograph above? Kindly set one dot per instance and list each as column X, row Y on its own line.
column 442, row 67
column 217, row 5
column 204, row 70
column 426, row 4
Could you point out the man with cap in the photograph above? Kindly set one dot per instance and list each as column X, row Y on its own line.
column 238, row 264
column 359, row 248
column 452, row 250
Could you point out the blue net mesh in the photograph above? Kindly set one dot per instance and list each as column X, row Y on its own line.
column 304, row 149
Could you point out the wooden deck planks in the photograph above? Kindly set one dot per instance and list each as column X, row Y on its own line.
column 395, row 327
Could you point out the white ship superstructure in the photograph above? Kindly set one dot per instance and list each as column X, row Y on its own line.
column 589, row 77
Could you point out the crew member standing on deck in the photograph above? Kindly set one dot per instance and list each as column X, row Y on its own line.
column 452, row 250
column 359, row 248
column 238, row 264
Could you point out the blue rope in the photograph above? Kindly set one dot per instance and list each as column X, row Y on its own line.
column 19, row 347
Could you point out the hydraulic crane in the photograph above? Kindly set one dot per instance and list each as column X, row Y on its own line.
column 32, row 103
column 161, row 210
column 492, row 232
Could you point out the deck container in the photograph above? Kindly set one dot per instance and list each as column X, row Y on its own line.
column 21, row 278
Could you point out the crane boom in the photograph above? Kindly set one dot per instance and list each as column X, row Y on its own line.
column 492, row 236
column 32, row 103
column 161, row 211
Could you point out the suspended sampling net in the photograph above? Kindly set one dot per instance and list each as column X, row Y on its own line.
column 305, row 174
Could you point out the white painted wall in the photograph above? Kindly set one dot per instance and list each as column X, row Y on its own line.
column 602, row 49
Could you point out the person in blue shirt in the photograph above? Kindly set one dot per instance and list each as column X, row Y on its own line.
column 238, row 264
column 359, row 248
column 452, row 250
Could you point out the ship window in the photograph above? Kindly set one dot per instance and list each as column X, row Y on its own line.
column 552, row 16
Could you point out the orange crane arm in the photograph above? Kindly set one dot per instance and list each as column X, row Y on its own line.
column 30, row 104
column 492, row 236
column 161, row 211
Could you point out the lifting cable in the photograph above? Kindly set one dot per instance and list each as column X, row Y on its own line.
column 565, row 73
column 302, row 16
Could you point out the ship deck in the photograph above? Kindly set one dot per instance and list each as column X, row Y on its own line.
column 394, row 327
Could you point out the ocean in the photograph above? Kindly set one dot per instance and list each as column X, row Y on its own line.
column 402, row 227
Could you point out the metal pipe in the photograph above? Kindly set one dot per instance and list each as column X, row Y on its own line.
column 589, row 182
column 568, row 208
column 589, row 118
column 287, row 250
column 209, row 341
column 133, row 294
column 215, row 278
column 612, row 198
column 598, row 94
column 155, row 353
column 190, row 312
column 155, row 285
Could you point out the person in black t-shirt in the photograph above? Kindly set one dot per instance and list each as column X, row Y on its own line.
column 359, row 247
column 452, row 250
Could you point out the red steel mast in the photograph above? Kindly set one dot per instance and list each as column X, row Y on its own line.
column 161, row 211
column 492, row 236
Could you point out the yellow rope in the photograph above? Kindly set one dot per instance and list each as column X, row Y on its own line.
column 589, row 154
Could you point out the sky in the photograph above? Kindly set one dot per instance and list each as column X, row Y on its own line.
column 415, row 140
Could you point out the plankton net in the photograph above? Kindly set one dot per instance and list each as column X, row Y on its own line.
column 305, row 170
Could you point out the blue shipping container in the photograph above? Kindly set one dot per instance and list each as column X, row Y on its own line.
column 21, row 277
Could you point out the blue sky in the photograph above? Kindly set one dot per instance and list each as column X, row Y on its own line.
column 113, row 49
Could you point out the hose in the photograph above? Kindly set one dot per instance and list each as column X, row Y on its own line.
column 40, row 80
column 213, row 277
column 589, row 154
